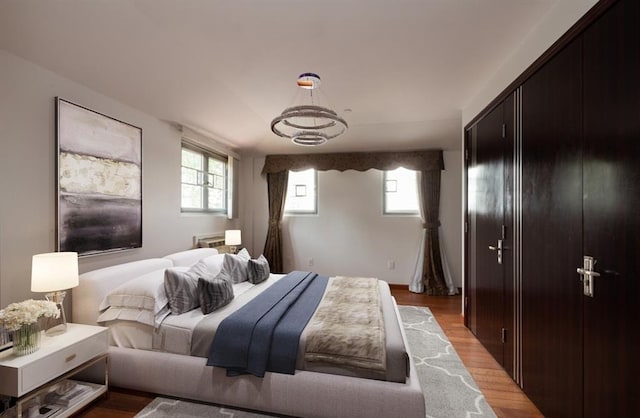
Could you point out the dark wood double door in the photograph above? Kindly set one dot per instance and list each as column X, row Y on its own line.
column 574, row 166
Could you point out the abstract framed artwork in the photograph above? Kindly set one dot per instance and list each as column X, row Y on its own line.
column 99, row 181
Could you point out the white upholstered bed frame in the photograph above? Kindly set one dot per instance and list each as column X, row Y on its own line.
column 305, row 394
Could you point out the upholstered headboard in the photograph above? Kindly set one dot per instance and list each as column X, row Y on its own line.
column 94, row 286
column 190, row 257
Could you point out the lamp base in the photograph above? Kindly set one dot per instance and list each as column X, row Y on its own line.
column 56, row 326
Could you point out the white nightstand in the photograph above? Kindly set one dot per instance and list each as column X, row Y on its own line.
column 59, row 357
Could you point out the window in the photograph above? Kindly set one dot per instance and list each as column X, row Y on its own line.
column 204, row 180
column 301, row 192
column 400, row 191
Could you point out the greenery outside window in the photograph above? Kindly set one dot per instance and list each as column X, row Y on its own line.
column 204, row 180
column 302, row 196
column 400, row 192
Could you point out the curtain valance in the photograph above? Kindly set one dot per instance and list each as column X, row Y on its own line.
column 359, row 161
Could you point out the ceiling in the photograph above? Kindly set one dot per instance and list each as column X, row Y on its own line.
column 405, row 68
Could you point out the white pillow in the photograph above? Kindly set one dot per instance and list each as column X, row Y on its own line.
column 142, row 316
column 144, row 292
column 214, row 263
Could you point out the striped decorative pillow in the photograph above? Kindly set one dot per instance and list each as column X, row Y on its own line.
column 236, row 267
column 243, row 254
column 181, row 287
column 258, row 270
column 215, row 292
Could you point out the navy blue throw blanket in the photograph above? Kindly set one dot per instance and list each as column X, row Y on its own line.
column 264, row 334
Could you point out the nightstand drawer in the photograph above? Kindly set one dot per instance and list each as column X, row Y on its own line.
column 42, row 370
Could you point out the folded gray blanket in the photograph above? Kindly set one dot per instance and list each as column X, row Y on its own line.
column 348, row 327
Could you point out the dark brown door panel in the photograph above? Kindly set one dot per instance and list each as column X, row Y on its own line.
column 552, row 235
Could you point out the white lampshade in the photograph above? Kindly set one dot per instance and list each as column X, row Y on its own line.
column 232, row 237
column 51, row 272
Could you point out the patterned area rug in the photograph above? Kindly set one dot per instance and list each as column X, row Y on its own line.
column 449, row 389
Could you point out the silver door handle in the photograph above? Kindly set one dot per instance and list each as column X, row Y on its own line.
column 588, row 275
column 498, row 249
column 587, row 272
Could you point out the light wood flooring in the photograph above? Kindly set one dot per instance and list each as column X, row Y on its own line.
column 504, row 396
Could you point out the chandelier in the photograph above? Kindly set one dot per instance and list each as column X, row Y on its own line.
column 310, row 124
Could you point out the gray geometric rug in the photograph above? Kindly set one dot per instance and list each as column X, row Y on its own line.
column 449, row 390
column 174, row 408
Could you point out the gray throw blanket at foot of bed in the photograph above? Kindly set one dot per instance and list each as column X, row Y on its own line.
column 348, row 327
column 264, row 334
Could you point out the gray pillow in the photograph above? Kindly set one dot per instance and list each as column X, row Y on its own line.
column 258, row 270
column 244, row 254
column 235, row 267
column 181, row 287
column 215, row 292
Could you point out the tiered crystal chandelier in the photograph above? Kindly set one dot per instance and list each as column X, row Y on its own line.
column 309, row 124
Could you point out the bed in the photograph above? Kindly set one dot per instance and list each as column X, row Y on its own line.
column 155, row 353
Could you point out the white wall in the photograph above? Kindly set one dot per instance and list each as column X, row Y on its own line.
column 28, row 177
column 255, row 212
column 350, row 236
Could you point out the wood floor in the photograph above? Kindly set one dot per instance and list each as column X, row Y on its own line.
column 504, row 396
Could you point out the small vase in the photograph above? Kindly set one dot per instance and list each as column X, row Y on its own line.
column 26, row 340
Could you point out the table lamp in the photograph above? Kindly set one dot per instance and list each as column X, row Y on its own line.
column 232, row 237
column 55, row 273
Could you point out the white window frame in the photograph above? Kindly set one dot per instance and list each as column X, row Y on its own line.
column 385, row 210
column 202, row 174
column 295, row 188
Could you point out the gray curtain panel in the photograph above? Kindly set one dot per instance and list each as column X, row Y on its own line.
column 432, row 276
column 277, row 190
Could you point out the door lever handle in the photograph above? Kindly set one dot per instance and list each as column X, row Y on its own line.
column 498, row 249
column 588, row 275
column 491, row 247
column 587, row 272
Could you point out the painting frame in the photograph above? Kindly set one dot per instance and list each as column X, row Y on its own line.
column 98, row 181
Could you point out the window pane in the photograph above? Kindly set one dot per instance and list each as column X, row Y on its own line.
column 217, row 166
column 218, row 182
column 216, row 199
column 301, row 192
column 191, row 159
column 191, row 197
column 190, row 176
column 391, row 186
column 400, row 191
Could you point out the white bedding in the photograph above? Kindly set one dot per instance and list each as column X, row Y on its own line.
column 174, row 334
